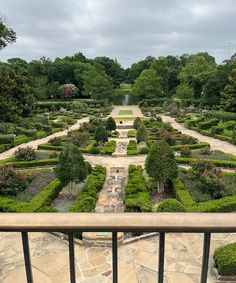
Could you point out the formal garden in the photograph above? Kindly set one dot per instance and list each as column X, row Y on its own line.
column 64, row 146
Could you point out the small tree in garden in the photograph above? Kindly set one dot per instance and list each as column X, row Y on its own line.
column 161, row 165
column 142, row 134
column 137, row 123
column 100, row 135
column 71, row 167
column 110, row 124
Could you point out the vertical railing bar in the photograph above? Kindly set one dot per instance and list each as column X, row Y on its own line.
column 72, row 257
column 205, row 257
column 26, row 250
column 161, row 257
column 114, row 258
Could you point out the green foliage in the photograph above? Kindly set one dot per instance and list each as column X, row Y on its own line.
column 185, row 151
column 25, row 154
column 13, row 182
column 184, row 91
column 208, row 124
column 137, row 196
column 109, row 148
column 137, row 123
column 56, row 141
column 228, row 96
column 142, row 134
column 225, row 259
column 33, row 163
column 148, row 85
column 160, row 164
column 7, row 139
column 86, row 200
column 71, row 166
column 110, row 124
column 221, row 115
column 100, row 135
column 192, row 146
column 7, row 35
column 132, row 148
column 170, row 205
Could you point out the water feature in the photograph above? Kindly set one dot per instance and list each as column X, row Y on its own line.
column 125, row 99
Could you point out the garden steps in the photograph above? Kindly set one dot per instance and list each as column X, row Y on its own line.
column 121, row 149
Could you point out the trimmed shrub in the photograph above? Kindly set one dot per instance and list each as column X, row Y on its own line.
column 56, row 141
column 132, row 148
column 47, row 146
column 4, row 147
column 137, row 123
column 206, row 150
column 26, row 132
column 110, row 124
column 22, row 139
column 86, row 200
column 217, row 130
column 7, row 139
column 230, row 125
column 191, row 146
column 225, row 259
column 137, row 196
column 143, row 150
column 109, row 148
column 34, row 163
column 208, row 124
column 221, row 115
column 170, row 205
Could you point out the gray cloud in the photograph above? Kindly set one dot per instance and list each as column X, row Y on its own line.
column 127, row 30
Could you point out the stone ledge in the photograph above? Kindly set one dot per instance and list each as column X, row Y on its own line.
column 225, row 279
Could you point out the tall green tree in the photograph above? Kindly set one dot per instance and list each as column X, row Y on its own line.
column 142, row 134
column 97, row 85
column 162, row 71
column 16, row 95
column 161, row 165
column 110, row 124
column 148, row 85
column 71, row 167
column 228, row 96
column 184, row 91
column 7, row 35
column 100, row 135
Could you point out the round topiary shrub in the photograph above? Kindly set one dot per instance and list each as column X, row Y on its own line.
column 225, row 260
column 169, row 205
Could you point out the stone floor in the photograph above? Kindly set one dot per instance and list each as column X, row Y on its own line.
column 137, row 261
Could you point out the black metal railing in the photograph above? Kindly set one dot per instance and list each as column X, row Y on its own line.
column 119, row 222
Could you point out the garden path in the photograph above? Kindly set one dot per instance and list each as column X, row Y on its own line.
column 35, row 143
column 214, row 143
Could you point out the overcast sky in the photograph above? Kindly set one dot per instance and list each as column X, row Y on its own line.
column 128, row 30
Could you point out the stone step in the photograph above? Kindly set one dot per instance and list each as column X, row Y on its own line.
column 100, row 240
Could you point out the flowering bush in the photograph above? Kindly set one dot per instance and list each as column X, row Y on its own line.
column 78, row 138
column 57, row 141
column 209, row 178
column 25, row 154
column 69, row 90
column 13, row 182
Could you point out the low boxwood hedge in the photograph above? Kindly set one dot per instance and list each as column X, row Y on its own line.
column 108, row 148
column 36, row 204
column 4, row 147
column 47, row 146
column 225, row 260
column 169, row 205
column 33, row 163
column 137, row 196
column 220, row 163
column 86, row 200
column 7, row 139
column 132, row 148
column 225, row 204
column 191, row 146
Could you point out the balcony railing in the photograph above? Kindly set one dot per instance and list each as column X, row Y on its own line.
column 205, row 223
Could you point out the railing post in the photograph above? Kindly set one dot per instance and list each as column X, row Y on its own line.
column 28, row 269
column 72, row 257
column 161, row 257
column 205, row 257
column 114, row 258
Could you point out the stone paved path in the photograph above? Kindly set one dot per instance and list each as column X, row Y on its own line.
column 35, row 143
column 215, row 143
column 137, row 261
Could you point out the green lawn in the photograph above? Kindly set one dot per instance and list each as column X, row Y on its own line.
column 126, row 112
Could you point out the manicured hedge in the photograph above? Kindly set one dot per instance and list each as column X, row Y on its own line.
column 225, row 260
column 34, row 163
column 226, row 204
column 170, row 205
column 132, row 148
column 208, row 124
column 7, row 139
column 47, row 146
column 219, row 163
column 22, row 139
column 86, row 200
column 221, row 115
column 191, row 146
column 108, row 148
column 137, row 196
column 42, row 199
column 4, row 147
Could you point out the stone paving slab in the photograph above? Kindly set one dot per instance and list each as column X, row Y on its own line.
column 138, row 261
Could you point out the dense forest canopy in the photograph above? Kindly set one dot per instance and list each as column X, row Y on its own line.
column 185, row 77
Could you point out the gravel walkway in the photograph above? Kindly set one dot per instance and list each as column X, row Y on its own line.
column 215, row 143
